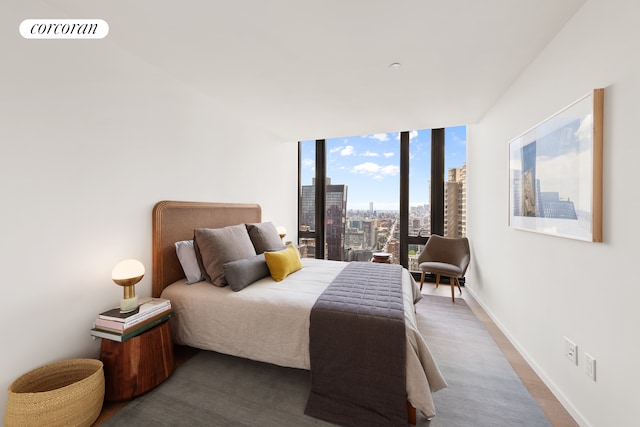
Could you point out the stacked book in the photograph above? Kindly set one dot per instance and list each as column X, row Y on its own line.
column 116, row 326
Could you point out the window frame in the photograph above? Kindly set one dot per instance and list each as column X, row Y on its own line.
column 436, row 194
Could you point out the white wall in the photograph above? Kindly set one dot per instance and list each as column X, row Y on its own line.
column 91, row 138
column 540, row 288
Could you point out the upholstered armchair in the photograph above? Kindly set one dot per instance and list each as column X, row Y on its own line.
column 445, row 256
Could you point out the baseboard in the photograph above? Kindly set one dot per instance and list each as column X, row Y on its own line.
column 562, row 398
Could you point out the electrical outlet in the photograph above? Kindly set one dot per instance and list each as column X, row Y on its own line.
column 590, row 366
column 571, row 350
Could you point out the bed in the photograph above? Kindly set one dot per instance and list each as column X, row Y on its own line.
column 267, row 321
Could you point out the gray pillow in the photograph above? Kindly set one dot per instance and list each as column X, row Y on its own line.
column 243, row 272
column 264, row 237
column 187, row 256
column 218, row 246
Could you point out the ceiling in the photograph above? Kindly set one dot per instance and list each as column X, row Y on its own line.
column 314, row 69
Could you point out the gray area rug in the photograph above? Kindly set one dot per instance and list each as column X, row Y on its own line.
column 213, row 389
column 483, row 389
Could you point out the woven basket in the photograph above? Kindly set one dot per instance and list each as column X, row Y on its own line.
column 65, row 393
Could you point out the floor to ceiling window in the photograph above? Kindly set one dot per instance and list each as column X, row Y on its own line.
column 363, row 172
column 419, row 194
column 307, row 198
column 377, row 193
column 455, row 159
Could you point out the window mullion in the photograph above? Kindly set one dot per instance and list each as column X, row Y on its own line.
column 404, row 198
column 321, row 196
column 437, row 181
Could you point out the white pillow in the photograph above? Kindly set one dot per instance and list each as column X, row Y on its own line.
column 187, row 256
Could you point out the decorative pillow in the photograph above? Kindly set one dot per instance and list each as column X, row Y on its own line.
column 218, row 246
column 187, row 256
column 283, row 262
column 243, row 272
column 264, row 237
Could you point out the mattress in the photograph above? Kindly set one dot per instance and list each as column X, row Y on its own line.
column 268, row 321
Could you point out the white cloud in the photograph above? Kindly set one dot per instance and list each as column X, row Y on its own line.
column 370, row 154
column 347, row 151
column 307, row 163
column 375, row 171
column 335, row 149
column 387, row 155
column 366, row 168
column 412, row 134
column 379, row 136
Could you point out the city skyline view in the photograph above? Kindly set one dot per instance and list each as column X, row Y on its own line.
column 370, row 166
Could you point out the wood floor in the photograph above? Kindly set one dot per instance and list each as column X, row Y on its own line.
column 555, row 412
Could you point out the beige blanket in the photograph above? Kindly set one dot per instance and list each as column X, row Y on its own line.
column 269, row 322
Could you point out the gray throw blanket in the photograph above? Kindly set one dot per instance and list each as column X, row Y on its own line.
column 358, row 348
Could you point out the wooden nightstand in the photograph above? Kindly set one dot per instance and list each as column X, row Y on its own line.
column 138, row 364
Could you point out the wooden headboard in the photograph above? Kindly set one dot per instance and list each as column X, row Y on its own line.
column 174, row 221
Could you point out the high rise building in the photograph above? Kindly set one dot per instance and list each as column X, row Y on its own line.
column 336, row 214
column 369, row 231
column 393, row 247
column 308, row 208
column 356, row 223
column 554, row 207
column 335, row 221
column 455, row 206
column 547, row 204
column 354, row 239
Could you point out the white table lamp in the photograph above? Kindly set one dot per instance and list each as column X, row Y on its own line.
column 126, row 274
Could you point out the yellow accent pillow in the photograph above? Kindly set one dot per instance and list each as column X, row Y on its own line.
column 282, row 263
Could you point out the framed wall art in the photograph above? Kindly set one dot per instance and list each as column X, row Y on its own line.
column 555, row 173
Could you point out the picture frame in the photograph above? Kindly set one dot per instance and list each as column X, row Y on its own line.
column 555, row 173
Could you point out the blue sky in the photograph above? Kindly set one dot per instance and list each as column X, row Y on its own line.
column 370, row 165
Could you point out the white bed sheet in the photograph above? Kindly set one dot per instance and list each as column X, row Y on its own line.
column 268, row 321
